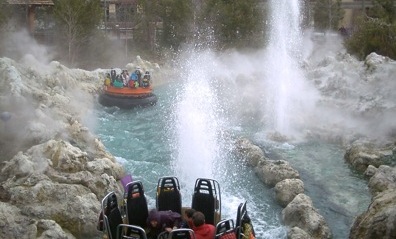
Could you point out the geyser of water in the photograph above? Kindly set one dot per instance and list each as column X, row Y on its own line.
column 196, row 123
column 287, row 95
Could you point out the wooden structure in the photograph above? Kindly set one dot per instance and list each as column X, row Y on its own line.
column 31, row 9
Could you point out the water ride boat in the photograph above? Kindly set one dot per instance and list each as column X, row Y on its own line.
column 127, row 218
column 127, row 97
column 127, row 91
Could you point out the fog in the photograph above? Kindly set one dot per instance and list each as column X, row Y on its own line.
column 17, row 45
column 41, row 96
column 330, row 94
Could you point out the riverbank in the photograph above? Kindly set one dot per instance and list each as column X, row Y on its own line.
column 54, row 171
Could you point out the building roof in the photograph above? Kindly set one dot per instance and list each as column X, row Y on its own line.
column 31, row 2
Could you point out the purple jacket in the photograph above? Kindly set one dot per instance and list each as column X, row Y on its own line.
column 164, row 219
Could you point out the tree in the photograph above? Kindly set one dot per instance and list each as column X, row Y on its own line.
column 177, row 18
column 327, row 14
column 213, row 23
column 384, row 9
column 4, row 12
column 146, row 20
column 76, row 19
column 236, row 23
column 375, row 32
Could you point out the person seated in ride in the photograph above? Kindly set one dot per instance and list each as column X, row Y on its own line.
column 133, row 80
column 118, row 82
column 131, row 83
column 201, row 229
column 146, row 79
column 139, row 76
column 187, row 221
column 125, row 77
column 160, row 221
column 107, row 80
column 147, row 75
column 113, row 75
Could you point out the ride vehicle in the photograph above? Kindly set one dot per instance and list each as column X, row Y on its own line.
column 127, row 220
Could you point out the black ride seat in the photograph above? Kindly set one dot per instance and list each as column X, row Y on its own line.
column 206, row 199
column 163, row 235
column 112, row 215
column 181, row 234
column 168, row 195
column 225, row 229
column 136, row 204
column 126, row 231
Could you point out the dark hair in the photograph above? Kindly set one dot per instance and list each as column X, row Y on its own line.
column 153, row 215
column 189, row 212
column 198, row 219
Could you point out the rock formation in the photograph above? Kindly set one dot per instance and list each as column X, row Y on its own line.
column 54, row 172
column 299, row 214
column 379, row 221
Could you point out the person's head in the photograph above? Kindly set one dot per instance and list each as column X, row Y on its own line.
column 198, row 219
column 189, row 212
column 153, row 218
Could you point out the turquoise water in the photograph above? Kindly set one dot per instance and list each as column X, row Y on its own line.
column 148, row 143
column 338, row 192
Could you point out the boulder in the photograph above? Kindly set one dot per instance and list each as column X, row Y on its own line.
column 301, row 213
column 361, row 155
column 15, row 224
column 57, row 181
column 370, row 171
column 287, row 189
column 50, row 229
column 249, row 152
column 273, row 171
column 383, row 179
column 379, row 221
column 297, row 233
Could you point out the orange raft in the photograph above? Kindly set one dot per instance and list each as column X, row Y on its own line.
column 127, row 97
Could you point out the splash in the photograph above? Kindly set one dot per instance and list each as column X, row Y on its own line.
column 286, row 93
column 197, row 123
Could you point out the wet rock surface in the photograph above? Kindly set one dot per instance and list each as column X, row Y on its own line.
column 299, row 213
column 54, row 171
column 379, row 221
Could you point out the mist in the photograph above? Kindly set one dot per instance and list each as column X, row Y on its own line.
column 333, row 96
column 41, row 97
column 16, row 45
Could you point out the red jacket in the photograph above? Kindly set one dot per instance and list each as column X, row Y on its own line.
column 205, row 231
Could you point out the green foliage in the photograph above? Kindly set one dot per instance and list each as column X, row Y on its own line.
column 384, row 9
column 177, row 17
column 4, row 12
column 327, row 14
column 376, row 32
column 236, row 23
column 219, row 24
column 76, row 19
column 146, row 21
